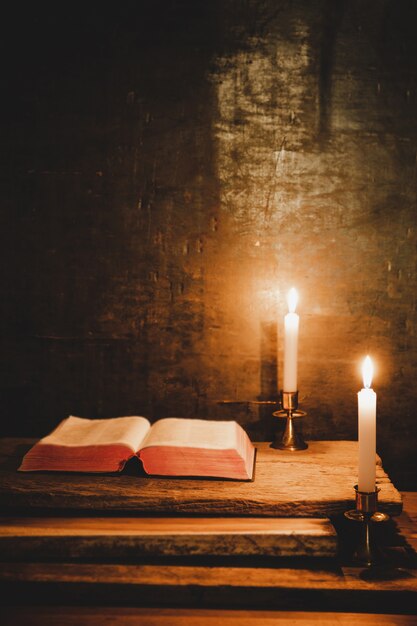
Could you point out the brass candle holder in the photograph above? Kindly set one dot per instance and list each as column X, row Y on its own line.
column 367, row 551
column 291, row 440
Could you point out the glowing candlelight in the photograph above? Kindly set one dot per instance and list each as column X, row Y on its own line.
column 367, row 430
column 291, row 343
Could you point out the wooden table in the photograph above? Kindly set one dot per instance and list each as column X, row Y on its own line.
column 67, row 566
column 317, row 482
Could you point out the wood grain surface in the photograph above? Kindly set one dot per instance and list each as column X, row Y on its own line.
column 317, row 482
column 187, row 593
column 129, row 538
column 215, row 577
column 212, row 586
column 118, row 616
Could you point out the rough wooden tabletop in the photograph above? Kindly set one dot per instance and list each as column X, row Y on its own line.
column 317, row 482
column 124, row 539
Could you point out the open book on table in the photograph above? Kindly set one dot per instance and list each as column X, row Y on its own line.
column 171, row 447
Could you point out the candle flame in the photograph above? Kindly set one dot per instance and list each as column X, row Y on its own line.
column 292, row 299
column 367, row 372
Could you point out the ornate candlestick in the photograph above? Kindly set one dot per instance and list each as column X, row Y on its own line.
column 291, row 440
column 367, row 551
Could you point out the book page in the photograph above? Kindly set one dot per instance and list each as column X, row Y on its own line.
column 78, row 432
column 192, row 433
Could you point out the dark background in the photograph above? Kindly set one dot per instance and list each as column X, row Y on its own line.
column 169, row 169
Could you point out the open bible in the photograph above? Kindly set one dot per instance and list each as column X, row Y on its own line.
column 171, row 447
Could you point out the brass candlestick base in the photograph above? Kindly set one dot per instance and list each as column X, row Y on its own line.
column 367, row 551
column 291, row 440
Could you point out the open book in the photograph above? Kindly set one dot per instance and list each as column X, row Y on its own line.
column 171, row 447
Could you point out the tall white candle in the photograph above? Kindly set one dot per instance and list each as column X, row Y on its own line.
column 291, row 343
column 367, row 430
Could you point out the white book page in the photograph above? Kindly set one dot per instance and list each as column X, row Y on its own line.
column 192, row 433
column 78, row 432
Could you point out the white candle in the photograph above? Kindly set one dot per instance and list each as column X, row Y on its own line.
column 291, row 343
column 367, row 430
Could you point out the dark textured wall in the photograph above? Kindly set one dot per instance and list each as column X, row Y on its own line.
column 169, row 170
